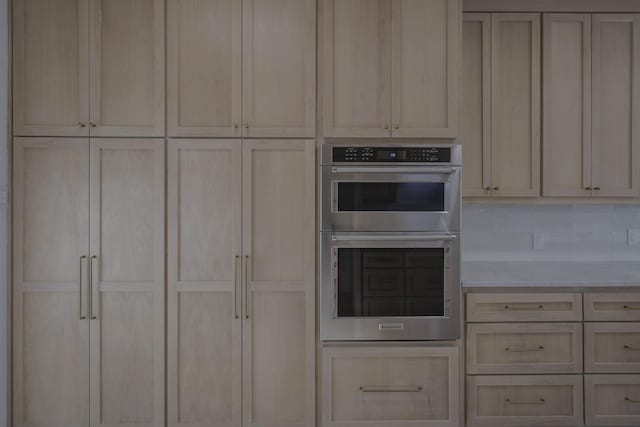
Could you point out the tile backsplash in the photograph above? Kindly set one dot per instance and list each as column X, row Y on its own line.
column 551, row 232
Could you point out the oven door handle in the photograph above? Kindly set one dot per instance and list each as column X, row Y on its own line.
column 395, row 169
column 439, row 237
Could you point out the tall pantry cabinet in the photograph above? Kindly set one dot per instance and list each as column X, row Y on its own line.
column 88, row 282
column 241, row 283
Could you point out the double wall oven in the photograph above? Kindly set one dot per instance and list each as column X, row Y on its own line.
column 390, row 242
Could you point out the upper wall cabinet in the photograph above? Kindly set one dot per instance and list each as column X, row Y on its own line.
column 241, row 68
column 391, row 68
column 74, row 75
column 592, row 94
column 500, row 129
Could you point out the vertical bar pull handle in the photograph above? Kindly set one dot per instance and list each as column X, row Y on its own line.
column 92, row 291
column 246, row 288
column 235, row 286
column 83, row 259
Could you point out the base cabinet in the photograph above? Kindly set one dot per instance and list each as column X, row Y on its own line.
column 390, row 386
column 612, row 400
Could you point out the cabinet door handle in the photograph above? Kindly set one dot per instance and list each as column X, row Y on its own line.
column 83, row 259
column 628, row 399
column 396, row 127
column 540, row 401
column 92, row 125
column 631, row 347
column 496, row 188
column 487, row 189
column 246, row 287
column 630, row 307
column 92, row 291
column 524, row 349
column 82, row 125
column 391, row 389
column 596, row 188
column 588, row 188
column 235, row 286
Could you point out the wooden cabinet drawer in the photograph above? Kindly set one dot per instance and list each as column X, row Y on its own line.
column 541, row 400
column 390, row 386
column 615, row 307
column 524, row 348
column 612, row 348
column 612, row 400
column 524, row 307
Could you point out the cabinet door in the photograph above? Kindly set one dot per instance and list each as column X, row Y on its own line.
column 204, row 337
column 425, row 46
column 567, row 105
column 127, row 283
column 50, row 68
column 279, row 275
column 515, row 108
column 204, row 67
column 127, row 67
column 279, row 64
column 51, row 234
column 616, row 105
column 475, row 127
column 357, row 68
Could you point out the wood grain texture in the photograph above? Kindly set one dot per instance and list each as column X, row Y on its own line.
column 475, row 126
column 567, row 105
column 612, row 307
column 612, row 400
column 204, row 68
column 612, row 347
column 279, row 67
column 127, row 67
column 127, row 239
column 50, row 68
column 524, row 307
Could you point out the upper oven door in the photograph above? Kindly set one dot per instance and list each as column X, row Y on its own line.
column 390, row 198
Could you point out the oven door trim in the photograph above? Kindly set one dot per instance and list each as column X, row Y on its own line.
column 422, row 328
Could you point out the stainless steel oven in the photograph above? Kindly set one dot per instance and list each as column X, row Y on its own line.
column 390, row 242
column 391, row 188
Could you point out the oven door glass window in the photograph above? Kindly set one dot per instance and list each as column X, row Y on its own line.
column 391, row 196
column 390, row 282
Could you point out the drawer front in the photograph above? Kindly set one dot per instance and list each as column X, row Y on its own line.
column 524, row 348
column 524, row 307
column 612, row 400
column 540, row 400
column 612, row 348
column 383, row 386
column 612, row 307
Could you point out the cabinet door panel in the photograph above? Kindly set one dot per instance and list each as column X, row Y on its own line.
column 616, row 104
column 127, row 67
column 279, row 68
column 127, row 298
column 204, row 337
column 425, row 65
column 475, row 127
column 357, row 68
column 567, row 105
column 204, row 67
column 279, row 275
column 516, row 105
column 51, row 233
column 50, row 68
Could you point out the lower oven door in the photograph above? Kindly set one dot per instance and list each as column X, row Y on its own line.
column 390, row 286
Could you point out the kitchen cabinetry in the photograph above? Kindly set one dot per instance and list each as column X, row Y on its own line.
column 591, row 92
column 391, row 68
column 88, row 68
column 89, row 282
column 391, row 386
column 241, row 68
column 500, row 132
column 241, row 297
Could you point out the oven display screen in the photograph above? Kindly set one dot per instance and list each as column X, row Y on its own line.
column 383, row 155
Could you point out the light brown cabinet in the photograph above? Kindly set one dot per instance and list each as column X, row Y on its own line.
column 89, row 287
column 391, row 68
column 88, row 68
column 241, row 283
column 241, row 68
column 500, row 130
column 591, row 92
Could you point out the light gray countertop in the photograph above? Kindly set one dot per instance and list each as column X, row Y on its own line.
column 545, row 274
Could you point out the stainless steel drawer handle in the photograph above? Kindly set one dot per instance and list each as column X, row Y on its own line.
column 628, row 399
column 82, row 261
column 631, row 307
column 540, row 401
column 524, row 349
column 390, row 389
column 391, row 326
column 523, row 307
column 632, row 347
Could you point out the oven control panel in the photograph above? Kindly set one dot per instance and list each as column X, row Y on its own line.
column 391, row 154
